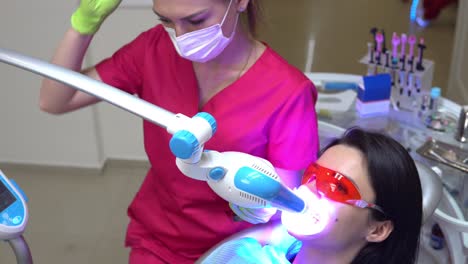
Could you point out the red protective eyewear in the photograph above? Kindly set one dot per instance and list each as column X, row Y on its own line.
column 336, row 186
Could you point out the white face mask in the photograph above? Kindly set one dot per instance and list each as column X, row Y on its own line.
column 204, row 44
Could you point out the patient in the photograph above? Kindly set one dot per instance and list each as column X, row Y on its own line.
column 365, row 204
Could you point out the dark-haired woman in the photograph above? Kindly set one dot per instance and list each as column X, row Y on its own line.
column 365, row 206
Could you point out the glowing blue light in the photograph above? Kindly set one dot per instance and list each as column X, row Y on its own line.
column 313, row 220
column 414, row 10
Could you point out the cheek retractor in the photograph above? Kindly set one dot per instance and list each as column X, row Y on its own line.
column 313, row 219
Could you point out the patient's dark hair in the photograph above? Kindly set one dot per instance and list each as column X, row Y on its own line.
column 395, row 180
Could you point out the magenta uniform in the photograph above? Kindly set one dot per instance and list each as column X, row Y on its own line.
column 268, row 112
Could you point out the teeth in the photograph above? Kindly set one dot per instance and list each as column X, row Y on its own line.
column 314, row 217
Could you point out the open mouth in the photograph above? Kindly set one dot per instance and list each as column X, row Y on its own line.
column 313, row 220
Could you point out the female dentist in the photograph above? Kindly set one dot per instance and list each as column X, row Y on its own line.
column 203, row 56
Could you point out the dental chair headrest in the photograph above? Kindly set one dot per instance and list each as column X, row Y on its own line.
column 431, row 189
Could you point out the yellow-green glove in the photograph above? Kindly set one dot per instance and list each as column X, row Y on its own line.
column 91, row 13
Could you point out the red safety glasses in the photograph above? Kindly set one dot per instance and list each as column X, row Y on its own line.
column 336, row 186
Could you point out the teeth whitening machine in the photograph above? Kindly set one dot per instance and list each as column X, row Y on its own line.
column 239, row 178
column 13, row 218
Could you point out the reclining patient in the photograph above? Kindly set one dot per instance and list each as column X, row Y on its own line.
column 364, row 206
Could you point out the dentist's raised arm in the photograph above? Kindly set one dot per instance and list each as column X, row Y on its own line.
column 56, row 97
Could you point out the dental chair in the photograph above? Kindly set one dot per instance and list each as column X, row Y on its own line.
column 270, row 233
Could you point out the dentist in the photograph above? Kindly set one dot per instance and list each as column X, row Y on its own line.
column 203, row 56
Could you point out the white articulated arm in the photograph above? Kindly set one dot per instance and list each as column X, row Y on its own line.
column 237, row 177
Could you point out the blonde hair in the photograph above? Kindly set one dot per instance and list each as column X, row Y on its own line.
column 252, row 17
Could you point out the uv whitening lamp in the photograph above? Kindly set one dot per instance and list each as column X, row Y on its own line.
column 238, row 178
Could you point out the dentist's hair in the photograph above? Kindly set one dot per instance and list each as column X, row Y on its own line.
column 251, row 17
column 394, row 177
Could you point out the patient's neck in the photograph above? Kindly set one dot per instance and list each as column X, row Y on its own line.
column 311, row 254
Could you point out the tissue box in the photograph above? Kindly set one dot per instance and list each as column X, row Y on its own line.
column 374, row 95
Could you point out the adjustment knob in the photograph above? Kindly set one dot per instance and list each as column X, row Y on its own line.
column 183, row 144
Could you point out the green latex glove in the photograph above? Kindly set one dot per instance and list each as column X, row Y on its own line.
column 91, row 13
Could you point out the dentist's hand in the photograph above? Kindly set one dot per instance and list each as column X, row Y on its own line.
column 91, row 13
column 253, row 215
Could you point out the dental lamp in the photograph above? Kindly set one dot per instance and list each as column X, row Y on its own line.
column 237, row 177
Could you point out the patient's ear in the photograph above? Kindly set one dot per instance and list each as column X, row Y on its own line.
column 379, row 231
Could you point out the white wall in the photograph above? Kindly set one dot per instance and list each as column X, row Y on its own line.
column 89, row 136
column 121, row 131
column 458, row 79
column 84, row 138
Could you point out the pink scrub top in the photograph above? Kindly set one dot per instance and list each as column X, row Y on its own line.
column 268, row 112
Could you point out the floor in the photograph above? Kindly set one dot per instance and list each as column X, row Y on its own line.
column 79, row 216
column 76, row 216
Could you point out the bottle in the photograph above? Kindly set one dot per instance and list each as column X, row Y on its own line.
column 423, row 106
column 437, row 237
column 431, row 117
column 434, row 101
